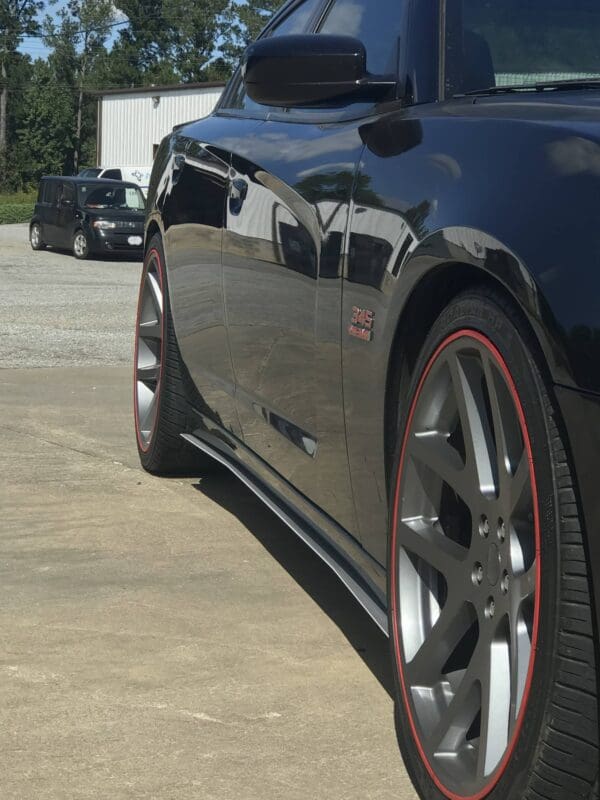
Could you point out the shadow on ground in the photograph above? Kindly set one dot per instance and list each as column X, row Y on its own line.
column 305, row 568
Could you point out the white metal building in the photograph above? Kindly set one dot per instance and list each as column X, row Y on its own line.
column 132, row 122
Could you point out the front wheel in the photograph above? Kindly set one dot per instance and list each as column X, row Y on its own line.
column 490, row 616
column 162, row 409
column 81, row 245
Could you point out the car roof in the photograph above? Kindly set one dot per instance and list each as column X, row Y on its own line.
column 78, row 179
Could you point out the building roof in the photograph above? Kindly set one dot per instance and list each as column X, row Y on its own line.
column 159, row 89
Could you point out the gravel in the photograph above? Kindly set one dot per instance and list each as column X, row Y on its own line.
column 57, row 311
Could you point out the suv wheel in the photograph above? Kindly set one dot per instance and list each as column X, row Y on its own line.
column 490, row 616
column 81, row 247
column 35, row 237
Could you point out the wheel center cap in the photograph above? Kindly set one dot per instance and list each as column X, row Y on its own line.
column 493, row 565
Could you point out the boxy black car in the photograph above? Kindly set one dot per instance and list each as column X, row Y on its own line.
column 372, row 290
column 88, row 216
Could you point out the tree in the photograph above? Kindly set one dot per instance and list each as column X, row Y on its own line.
column 17, row 19
column 78, row 40
column 46, row 138
column 168, row 41
column 247, row 18
column 196, row 26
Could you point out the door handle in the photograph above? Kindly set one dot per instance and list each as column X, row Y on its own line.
column 237, row 194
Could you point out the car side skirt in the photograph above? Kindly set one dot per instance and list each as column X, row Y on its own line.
column 353, row 571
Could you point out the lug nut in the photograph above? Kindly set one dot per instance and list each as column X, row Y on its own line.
column 490, row 608
column 505, row 582
column 484, row 527
column 501, row 529
column 477, row 574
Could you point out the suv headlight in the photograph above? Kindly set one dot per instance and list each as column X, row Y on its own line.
column 103, row 224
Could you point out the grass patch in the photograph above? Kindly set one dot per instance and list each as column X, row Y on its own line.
column 18, row 197
column 15, row 212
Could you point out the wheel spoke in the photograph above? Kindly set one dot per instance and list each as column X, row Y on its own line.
column 154, row 286
column 475, row 426
column 149, row 373
column 455, row 619
column 147, row 420
column 433, row 451
column 518, row 482
column 421, row 538
column 462, row 709
column 151, row 329
column 520, row 654
column 495, row 679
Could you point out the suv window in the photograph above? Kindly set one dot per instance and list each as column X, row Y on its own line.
column 68, row 192
column 376, row 23
column 49, row 192
column 520, row 42
column 112, row 174
column 295, row 22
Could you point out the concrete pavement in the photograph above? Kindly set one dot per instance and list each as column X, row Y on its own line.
column 164, row 638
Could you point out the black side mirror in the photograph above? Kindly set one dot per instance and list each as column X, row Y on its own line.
column 288, row 71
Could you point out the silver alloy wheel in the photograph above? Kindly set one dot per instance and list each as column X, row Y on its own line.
column 35, row 235
column 80, row 245
column 466, row 577
column 149, row 350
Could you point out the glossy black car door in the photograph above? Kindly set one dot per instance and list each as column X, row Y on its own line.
column 66, row 213
column 282, row 258
column 291, row 185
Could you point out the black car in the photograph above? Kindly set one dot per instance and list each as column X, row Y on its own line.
column 88, row 216
column 372, row 291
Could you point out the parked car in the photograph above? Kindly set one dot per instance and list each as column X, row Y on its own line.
column 371, row 291
column 88, row 216
column 138, row 175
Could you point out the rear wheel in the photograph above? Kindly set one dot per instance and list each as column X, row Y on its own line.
column 35, row 237
column 490, row 615
column 81, row 245
column 161, row 407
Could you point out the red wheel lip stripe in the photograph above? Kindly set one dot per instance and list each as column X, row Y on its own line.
column 153, row 252
column 499, row 771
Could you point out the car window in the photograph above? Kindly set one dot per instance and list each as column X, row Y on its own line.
column 520, row 42
column 295, row 22
column 376, row 23
column 68, row 192
column 112, row 174
column 50, row 192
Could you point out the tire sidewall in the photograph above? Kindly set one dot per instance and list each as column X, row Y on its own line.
column 484, row 316
column 40, row 243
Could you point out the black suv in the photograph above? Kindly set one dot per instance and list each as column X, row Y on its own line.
column 88, row 216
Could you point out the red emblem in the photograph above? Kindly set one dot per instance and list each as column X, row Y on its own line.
column 362, row 324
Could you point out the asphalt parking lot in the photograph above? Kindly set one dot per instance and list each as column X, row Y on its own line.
column 160, row 638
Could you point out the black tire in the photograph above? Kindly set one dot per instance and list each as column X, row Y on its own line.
column 162, row 450
column 81, row 245
column 35, row 237
column 554, row 754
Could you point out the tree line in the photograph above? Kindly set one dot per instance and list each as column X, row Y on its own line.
column 47, row 114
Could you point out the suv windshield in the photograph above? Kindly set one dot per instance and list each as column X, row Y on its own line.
column 520, row 43
column 111, row 195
